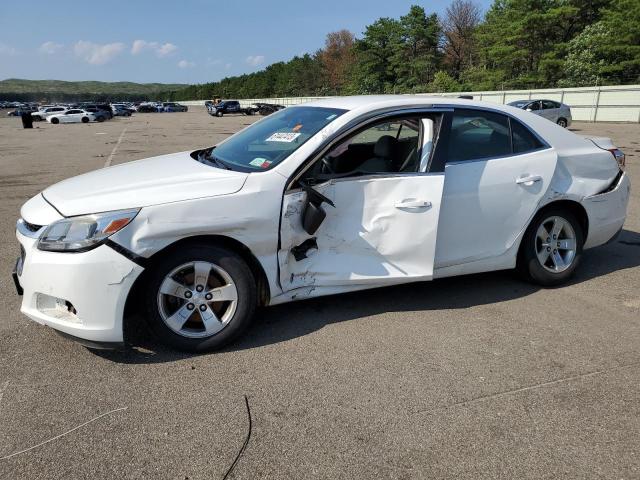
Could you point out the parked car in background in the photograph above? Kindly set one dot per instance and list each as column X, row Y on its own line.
column 265, row 109
column 100, row 114
column 20, row 110
column 550, row 109
column 224, row 107
column 174, row 107
column 315, row 199
column 46, row 112
column 147, row 108
column 74, row 115
column 120, row 111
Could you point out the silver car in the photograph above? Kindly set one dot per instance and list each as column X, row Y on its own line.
column 555, row 111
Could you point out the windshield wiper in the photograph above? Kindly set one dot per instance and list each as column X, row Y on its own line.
column 217, row 162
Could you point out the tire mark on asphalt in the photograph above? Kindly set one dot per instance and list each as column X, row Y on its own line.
column 2, row 389
column 115, row 148
column 6, row 457
column 528, row 388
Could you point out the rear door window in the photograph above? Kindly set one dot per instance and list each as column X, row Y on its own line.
column 477, row 134
column 523, row 139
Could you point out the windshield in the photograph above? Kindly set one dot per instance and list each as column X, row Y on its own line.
column 268, row 142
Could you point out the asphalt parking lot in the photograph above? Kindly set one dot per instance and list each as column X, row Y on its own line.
column 481, row 376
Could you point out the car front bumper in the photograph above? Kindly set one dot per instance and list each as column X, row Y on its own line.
column 81, row 295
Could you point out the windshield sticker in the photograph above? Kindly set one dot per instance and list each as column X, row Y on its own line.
column 283, row 137
column 260, row 162
column 297, row 127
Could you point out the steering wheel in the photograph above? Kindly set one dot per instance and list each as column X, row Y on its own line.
column 326, row 166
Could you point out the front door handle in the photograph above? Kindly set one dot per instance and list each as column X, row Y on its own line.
column 528, row 180
column 413, row 204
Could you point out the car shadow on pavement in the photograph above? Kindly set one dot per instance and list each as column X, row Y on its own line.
column 289, row 321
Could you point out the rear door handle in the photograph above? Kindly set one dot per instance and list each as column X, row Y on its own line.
column 413, row 204
column 528, row 180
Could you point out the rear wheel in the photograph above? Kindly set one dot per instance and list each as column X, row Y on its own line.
column 200, row 298
column 562, row 122
column 55, row 121
column 551, row 248
column 36, row 118
column 100, row 119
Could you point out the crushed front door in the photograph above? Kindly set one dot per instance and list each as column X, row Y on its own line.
column 381, row 231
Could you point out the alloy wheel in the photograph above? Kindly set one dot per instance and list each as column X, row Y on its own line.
column 197, row 299
column 556, row 244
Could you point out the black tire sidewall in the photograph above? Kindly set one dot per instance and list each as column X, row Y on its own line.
column 55, row 121
column 244, row 281
column 85, row 119
column 529, row 265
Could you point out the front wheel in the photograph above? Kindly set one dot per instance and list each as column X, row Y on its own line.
column 200, row 298
column 551, row 248
column 85, row 119
column 55, row 121
column 219, row 113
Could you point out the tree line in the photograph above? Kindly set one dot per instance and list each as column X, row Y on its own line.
column 517, row 44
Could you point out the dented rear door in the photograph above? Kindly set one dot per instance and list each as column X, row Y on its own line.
column 381, row 231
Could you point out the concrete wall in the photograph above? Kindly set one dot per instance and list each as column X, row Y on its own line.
column 591, row 104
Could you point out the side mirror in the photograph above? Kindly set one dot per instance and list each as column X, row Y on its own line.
column 529, row 110
column 313, row 217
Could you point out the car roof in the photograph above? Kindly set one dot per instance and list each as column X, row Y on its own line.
column 362, row 104
column 374, row 102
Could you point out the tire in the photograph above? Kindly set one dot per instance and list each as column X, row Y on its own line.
column 55, row 121
column 183, row 327
column 219, row 113
column 99, row 119
column 562, row 122
column 560, row 263
column 37, row 118
column 85, row 119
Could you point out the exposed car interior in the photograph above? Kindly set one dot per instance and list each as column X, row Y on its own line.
column 392, row 146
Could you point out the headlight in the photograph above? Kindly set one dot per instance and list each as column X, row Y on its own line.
column 84, row 233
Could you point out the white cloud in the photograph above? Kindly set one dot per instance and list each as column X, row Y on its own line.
column 49, row 48
column 7, row 50
column 160, row 49
column 255, row 60
column 186, row 64
column 97, row 54
column 166, row 49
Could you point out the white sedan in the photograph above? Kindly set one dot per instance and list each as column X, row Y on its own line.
column 327, row 197
column 75, row 115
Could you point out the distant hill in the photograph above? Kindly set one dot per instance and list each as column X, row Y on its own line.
column 52, row 90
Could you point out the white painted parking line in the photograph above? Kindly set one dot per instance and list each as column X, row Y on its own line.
column 115, row 148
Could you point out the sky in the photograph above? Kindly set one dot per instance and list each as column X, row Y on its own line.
column 187, row 41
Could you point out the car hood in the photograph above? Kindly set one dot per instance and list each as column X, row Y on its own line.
column 156, row 180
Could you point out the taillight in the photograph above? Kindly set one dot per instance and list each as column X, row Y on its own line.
column 619, row 156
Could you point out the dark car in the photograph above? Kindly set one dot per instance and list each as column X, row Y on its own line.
column 174, row 107
column 100, row 114
column 225, row 107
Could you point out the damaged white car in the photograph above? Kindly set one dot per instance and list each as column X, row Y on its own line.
column 327, row 197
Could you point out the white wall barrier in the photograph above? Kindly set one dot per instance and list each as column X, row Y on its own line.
column 590, row 104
